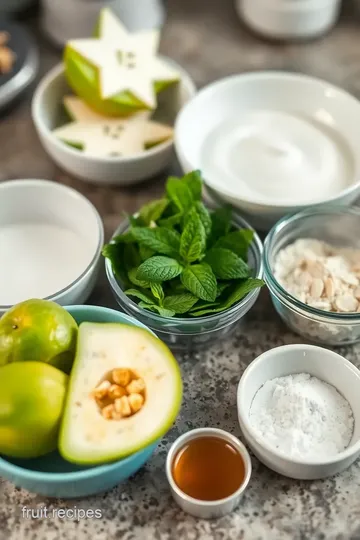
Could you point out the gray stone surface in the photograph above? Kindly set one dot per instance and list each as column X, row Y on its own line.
column 206, row 38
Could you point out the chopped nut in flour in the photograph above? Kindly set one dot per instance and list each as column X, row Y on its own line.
column 320, row 275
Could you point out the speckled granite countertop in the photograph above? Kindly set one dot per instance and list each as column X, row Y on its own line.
column 206, row 38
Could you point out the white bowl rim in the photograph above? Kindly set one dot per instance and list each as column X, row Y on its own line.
column 208, row 432
column 58, row 71
column 348, row 452
column 303, row 8
column 259, row 76
column 9, row 184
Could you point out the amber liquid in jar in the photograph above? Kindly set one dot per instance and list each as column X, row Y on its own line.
column 208, row 469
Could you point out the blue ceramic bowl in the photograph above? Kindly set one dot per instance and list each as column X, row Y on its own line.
column 52, row 476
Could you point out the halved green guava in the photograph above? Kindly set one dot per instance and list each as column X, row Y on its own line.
column 124, row 393
column 83, row 78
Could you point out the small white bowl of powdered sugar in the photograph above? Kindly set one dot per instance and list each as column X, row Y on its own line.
column 299, row 411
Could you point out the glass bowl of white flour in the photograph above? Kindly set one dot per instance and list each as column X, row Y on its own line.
column 312, row 269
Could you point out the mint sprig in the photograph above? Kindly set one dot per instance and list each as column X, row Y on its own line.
column 193, row 239
column 179, row 259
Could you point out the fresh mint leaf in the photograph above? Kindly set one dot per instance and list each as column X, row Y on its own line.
column 200, row 280
column 194, row 182
column 176, row 287
column 240, row 290
column 138, row 282
column 180, row 303
column 221, row 287
column 140, row 295
column 203, row 312
column 146, row 305
column 159, row 239
column 145, row 252
column 193, row 239
column 201, row 305
column 110, row 251
column 179, row 193
column 220, row 223
column 204, row 216
column 125, row 238
column 157, row 291
column 135, row 221
column 115, row 254
column 153, row 210
column 237, row 241
column 132, row 257
column 158, row 269
column 164, row 312
column 226, row 264
column 153, row 307
column 171, row 221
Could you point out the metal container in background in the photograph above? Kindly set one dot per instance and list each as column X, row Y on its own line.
column 68, row 19
column 15, row 82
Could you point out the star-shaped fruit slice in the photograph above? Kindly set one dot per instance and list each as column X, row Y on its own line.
column 117, row 67
column 101, row 136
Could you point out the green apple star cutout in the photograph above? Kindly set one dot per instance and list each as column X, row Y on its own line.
column 101, row 136
column 125, row 61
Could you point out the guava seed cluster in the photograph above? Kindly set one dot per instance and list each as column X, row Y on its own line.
column 120, row 394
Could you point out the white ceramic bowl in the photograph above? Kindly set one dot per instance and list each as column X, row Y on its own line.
column 281, row 19
column 207, row 509
column 317, row 100
column 49, row 203
column 290, row 359
column 47, row 113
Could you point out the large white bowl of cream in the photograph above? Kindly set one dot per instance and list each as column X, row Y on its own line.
column 51, row 238
column 270, row 143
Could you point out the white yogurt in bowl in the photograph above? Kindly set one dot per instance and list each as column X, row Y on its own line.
column 272, row 143
column 50, row 243
column 277, row 156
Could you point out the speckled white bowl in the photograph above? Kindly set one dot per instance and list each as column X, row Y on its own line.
column 318, row 362
column 47, row 115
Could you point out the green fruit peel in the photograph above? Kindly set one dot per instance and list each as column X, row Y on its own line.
column 32, row 396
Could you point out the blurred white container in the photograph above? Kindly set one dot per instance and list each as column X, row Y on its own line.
column 70, row 19
column 289, row 19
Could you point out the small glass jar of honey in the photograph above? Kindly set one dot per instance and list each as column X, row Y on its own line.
column 208, row 470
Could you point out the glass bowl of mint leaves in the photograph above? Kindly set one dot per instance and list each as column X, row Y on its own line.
column 187, row 271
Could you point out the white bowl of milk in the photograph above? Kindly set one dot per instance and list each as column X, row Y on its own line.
column 271, row 143
column 51, row 238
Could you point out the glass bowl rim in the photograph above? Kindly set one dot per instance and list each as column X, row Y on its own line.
column 115, row 286
column 272, row 283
